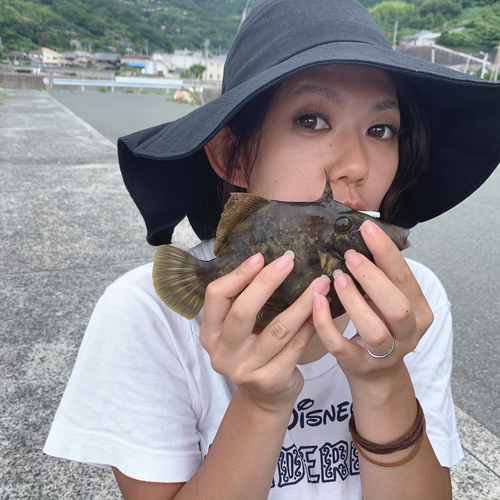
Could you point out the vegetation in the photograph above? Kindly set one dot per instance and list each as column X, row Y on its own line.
column 149, row 25
column 139, row 26
column 477, row 21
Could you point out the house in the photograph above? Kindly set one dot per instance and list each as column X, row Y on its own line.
column 16, row 56
column 78, row 57
column 108, row 60
column 215, row 69
column 175, row 64
column 48, row 57
column 420, row 39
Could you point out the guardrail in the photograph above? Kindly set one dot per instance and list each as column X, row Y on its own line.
column 113, row 84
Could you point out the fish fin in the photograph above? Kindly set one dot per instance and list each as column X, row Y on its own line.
column 239, row 207
column 177, row 281
column 267, row 314
column 328, row 262
column 327, row 193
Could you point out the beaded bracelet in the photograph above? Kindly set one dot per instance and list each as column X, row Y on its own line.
column 414, row 435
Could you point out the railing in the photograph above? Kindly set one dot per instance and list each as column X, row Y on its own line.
column 161, row 84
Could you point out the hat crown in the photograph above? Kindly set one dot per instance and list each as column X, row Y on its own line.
column 289, row 27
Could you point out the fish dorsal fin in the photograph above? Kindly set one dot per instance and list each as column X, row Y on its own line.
column 327, row 193
column 239, row 207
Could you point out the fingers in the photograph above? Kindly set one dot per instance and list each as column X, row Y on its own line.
column 395, row 307
column 390, row 260
column 231, row 321
column 395, row 310
column 245, row 308
column 219, row 294
column 265, row 364
column 290, row 332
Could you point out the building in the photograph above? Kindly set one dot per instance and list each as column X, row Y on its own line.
column 48, row 57
column 420, row 39
column 108, row 60
column 173, row 65
column 215, row 69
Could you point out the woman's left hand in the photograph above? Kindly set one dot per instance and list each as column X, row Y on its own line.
column 396, row 310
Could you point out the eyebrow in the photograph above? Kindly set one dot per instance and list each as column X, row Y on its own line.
column 330, row 94
column 333, row 96
column 387, row 104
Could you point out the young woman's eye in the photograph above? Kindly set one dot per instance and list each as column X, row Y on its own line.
column 382, row 131
column 312, row 122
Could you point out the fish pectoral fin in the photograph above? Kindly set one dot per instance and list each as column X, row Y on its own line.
column 238, row 208
column 328, row 262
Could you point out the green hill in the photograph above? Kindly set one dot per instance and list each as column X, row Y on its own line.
column 140, row 25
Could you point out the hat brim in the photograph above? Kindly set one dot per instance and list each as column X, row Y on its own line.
column 463, row 112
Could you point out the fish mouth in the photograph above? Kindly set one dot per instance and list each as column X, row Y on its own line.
column 405, row 241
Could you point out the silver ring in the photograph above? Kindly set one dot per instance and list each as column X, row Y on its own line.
column 382, row 356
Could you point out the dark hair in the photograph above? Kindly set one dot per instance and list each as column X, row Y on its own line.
column 414, row 145
column 243, row 142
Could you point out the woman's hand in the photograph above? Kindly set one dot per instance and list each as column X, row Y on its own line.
column 396, row 310
column 263, row 365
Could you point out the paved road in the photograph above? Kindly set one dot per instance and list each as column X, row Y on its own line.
column 68, row 228
column 119, row 113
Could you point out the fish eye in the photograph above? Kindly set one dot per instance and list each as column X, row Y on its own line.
column 343, row 224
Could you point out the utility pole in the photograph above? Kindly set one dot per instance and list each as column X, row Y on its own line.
column 207, row 45
column 244, row 13
column 395, row 35
column 147, row 48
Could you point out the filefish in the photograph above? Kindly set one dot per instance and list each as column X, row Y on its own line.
column 319, row 233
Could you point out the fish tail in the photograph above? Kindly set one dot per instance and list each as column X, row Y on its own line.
column 178, row 281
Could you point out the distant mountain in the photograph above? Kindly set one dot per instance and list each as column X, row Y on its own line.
column 149, row 25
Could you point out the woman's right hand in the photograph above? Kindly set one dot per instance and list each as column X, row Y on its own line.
column 263, row 365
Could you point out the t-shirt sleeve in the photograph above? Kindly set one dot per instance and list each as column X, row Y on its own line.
column 430, row 366
column 128, row 402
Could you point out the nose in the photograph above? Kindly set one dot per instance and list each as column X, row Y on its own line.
column 348, row 169
column 350, row 161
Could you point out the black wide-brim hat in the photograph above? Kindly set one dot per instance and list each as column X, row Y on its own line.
column 168, row 174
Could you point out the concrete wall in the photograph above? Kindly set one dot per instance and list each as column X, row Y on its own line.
column 21, row 81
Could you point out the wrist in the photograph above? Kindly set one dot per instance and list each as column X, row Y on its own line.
column 385, row 408
column 381, row 388
column 273, row 407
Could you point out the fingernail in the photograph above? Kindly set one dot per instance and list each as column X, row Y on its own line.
column 321, row 284
column 340, row 279
column 353, row 258
column 284, row 261
column 316, row 302
column 254, row 260
column 371, row 229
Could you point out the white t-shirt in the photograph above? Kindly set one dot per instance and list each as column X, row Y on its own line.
column 143, row 396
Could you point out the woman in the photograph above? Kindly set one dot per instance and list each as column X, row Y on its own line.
column 309, row 87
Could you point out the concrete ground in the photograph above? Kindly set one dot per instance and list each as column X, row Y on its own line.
column 68, row 228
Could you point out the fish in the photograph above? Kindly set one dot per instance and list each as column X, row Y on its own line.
column 319, row 233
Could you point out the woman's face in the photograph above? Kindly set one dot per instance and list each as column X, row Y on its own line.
column 342, row 119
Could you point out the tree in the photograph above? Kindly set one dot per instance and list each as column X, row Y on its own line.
column 387, row 13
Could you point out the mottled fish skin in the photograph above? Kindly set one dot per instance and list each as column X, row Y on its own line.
column 319, row 233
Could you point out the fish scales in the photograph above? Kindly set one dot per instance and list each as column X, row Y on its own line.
column 319, row 233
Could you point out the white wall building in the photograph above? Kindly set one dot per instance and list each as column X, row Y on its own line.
column 174, row 64
column 420, row 39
